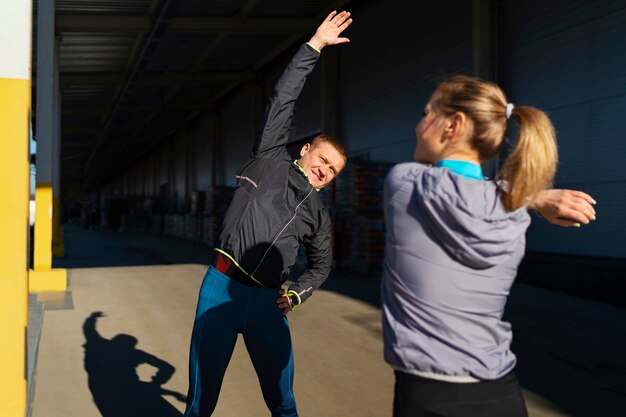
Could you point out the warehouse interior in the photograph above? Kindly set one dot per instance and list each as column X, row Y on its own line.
column 143, row 110
column 161, row 100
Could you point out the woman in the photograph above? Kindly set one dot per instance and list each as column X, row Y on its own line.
column 454, row 243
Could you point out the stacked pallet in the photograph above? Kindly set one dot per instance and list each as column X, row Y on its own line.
column 359, row 217
column 367, row 246
column 342, row 240
column 327, row 195
column 217, row 202
column 174, row 225
column 198, row 201
column 359, row 188
column 113, row 208
column 193, row 226
column 155, row 207
column 133, row 221
column 156, row 224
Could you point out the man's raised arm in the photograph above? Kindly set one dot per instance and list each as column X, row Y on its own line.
column 279, row 110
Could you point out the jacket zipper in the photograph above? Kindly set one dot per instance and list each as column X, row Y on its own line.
column 281, row 231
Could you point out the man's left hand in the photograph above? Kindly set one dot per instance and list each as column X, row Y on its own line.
column 284, row 302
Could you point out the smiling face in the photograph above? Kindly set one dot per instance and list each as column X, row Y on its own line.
column 321, row 162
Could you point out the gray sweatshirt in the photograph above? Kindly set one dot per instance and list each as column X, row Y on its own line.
column 451, row 257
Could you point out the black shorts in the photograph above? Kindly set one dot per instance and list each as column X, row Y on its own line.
column 415, row 396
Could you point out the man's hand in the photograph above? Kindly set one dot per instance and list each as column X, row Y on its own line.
column 330, row 29
column 284, row 302
column 564, row 207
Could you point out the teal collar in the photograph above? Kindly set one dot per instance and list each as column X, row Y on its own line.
column 464, row 168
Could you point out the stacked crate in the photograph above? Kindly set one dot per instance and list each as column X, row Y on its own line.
column 359, row 217
column 156, row 224
column 218, row 200
column 327, row 195
column 174, row 225
column 367, row 246
column 193, row 226
column 114, row 208
column 359, row 187
column 156, row 207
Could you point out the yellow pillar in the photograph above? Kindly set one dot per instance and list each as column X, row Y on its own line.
column 43, row 227
column 58, row 243
column 15, row 84
column 43, row 277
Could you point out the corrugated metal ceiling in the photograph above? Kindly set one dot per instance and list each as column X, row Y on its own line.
column 133, row 72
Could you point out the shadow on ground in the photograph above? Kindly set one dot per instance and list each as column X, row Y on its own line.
column 90, row 249
column 570, row 351
column 111, row 367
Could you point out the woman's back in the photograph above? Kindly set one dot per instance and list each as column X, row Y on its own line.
column 451, row 258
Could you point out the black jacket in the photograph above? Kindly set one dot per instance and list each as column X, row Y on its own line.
column 275, row 208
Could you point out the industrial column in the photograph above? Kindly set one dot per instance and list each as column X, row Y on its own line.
column 15, row 70
column 43, row 277
column 484, row 55
column 58, row 246
column 483, row 39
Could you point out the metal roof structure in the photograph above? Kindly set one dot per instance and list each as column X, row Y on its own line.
column 134, row 72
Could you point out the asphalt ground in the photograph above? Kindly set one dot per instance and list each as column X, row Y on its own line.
column 572, row 355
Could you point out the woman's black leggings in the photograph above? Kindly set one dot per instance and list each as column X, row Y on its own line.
column 422, row 397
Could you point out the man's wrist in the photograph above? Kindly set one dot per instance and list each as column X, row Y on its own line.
column 316, row 44
column 294, row 299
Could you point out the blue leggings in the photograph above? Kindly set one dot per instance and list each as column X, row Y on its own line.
column 226, row 308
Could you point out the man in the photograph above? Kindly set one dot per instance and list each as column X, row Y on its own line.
column 275, row 208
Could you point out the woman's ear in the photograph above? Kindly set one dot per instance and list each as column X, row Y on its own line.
column 457, row 125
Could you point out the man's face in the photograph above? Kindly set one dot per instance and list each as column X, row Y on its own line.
column 321, row 162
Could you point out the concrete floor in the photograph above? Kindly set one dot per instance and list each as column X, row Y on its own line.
column 572, row 360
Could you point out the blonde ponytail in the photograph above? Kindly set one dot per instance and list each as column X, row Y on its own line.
column 531, row 166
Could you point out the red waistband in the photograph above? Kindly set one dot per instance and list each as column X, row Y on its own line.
column 226, row 266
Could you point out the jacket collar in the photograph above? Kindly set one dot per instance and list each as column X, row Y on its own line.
column 463, row 168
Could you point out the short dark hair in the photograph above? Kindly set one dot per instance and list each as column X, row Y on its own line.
column 334, row 142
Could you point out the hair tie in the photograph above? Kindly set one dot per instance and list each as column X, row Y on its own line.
column 509, row 110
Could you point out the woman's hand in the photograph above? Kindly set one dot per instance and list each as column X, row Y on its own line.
column 564, row 207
